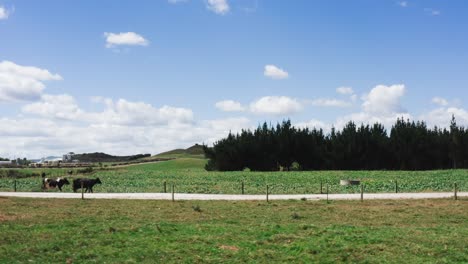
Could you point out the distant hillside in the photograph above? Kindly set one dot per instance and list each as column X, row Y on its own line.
column 195, row 151
column 103, row 157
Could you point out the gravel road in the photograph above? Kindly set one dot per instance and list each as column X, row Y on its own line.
column 232, row 197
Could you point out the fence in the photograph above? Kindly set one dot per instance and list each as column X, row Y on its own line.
column 239, row 187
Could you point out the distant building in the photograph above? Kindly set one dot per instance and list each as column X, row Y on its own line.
column 7, row 163
column 69, row 157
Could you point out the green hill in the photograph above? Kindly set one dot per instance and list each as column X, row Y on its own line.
column 195, row 151
column 103, row 157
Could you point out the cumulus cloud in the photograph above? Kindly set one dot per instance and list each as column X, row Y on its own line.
column 124, row 112
column 314, row 124
column 274, row 72
column 4, row 13
column 40, row 137
column 345, row 90
column 384, row 99
column 403, row 4
column 276, row 105
column 220, row 7
column 22, row 83
column 439, row 101
column 229, row 106
column 120, row 112
column 432, row 12
column 127, row 38
column 381, row 105
column 387, row 119
column 55, row 106
column 442, row 116
column 57, row 124
column 330, row 103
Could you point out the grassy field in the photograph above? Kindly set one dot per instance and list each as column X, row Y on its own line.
column 189, row 176
column 119, row 231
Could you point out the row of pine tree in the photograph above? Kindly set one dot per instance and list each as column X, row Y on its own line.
column 408, row 146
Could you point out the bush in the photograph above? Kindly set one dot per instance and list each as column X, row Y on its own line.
column 14, row 174
column 86, row 170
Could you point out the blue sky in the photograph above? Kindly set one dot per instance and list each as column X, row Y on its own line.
column 126, row 77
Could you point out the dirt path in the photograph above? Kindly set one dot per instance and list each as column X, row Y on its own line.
column 134, row 164
column 232, row 197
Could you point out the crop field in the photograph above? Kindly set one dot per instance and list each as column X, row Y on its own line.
column 119, row 231
column 188, row 176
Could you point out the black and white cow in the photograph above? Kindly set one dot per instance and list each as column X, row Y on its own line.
column 48, row 183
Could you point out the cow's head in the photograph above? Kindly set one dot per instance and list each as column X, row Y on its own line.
column 98, row 181
column 65, row 181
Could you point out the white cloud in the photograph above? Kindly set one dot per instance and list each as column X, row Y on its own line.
column 442, row 116
column 403, row 4
column 39, row 137
column 345, row 90
column 276, row 105
column 275, row 73
column 176, row 1
column 220, row 7
column 22, row 83
column 127, row 38
column 314, row 123
column 4, row 13
column 330, row 103
column 229, row 106
column 387, row 119
column 384, row 99
column 138, row 113
column 439, row 101
column 432, row 12
column 120, row 112
column 55, row 106
column 219, row 128
column 381, row 105
column 57, row 124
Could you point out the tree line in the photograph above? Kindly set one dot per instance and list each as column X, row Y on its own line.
column 409, row 145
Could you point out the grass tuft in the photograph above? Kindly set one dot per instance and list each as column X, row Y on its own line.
column 295, row 216
column 197, row 208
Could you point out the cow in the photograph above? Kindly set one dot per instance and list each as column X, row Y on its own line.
column 48, row 183
column 87, row 184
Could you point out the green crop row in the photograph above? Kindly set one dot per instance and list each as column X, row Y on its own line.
column 188, row 176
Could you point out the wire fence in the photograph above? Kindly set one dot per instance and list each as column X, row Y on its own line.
column 243, row 186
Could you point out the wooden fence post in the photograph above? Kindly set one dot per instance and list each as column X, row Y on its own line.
column 82, row 191
column 242, row 187
column 267, row 192
column 164, row 186
column 14, row 187
column 455, row 191
column 173, row 193
column 327, row 192
column 396, row 186
column 321, row 186
column 362, row 192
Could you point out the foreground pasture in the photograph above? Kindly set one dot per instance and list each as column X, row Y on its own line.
column 189, row 176
column 119, row 231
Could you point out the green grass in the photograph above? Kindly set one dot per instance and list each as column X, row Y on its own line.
column 189, row 176
column 119, row 231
